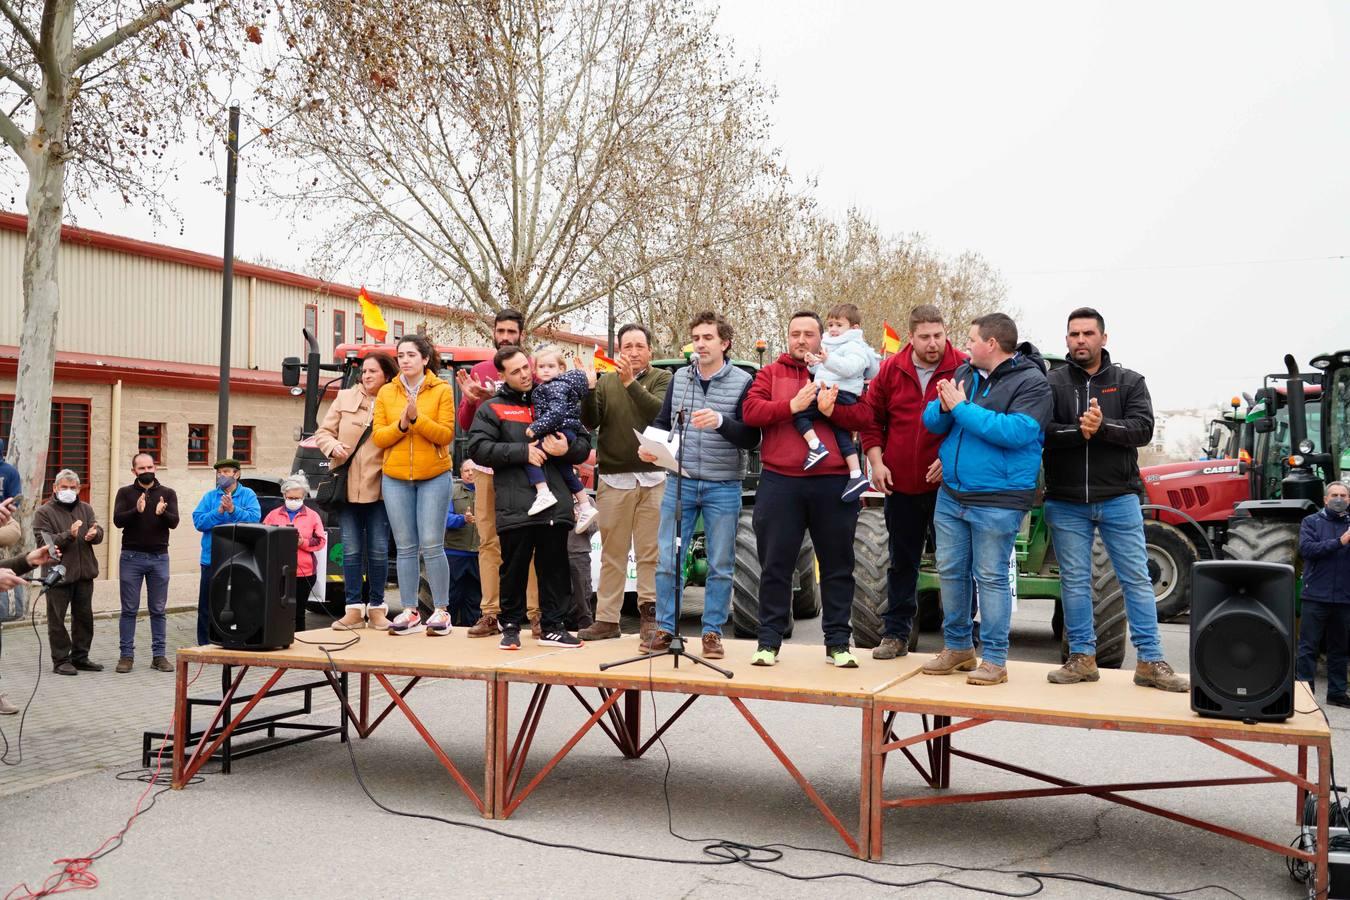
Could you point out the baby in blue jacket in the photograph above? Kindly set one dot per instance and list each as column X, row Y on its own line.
column 845, row 361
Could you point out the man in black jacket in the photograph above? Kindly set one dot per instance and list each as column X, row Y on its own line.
column 497, row 439
column 1102, row 413
column 146, row 511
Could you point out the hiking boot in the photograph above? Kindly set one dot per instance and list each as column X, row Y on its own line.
column 841, row 658
column 600, row 631
column 855, row 488
column 647, row 621
column 486, row 626
column 542, row 501
column 564, row 639
column 85, row 665
column 814, row 455
column 124, row 665
column 161, row 664
column 7, row 708
column 378, row 617
column 949, row 662
column 988, row 674
column 510, row 639
column 408, row 622
column 584, row 516
column 659, row 642
column 439, row 623
column 64, row 668
column 712, row 645
column 1161, row 676
column 765, row 656
column 1078, row 667
column 536, row 629
column 890, row 648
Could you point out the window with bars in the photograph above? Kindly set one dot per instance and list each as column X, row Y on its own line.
column 150, row 439
column 199, row 445
column 359, row 329
column 242, row 448
column 339, row 328
column 396, row 330
column 67, row 443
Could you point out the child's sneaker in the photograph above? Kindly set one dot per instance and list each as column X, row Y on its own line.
column 855, row 488
column 585, row 515
column 814, row 455
column 564, row 639
column 439, row 623
column 542, row 501
column 510, row 639
column 408, row 622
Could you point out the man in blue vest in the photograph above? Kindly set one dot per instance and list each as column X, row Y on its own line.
column 227, row 502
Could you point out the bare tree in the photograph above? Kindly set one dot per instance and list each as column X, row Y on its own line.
column 92, row 94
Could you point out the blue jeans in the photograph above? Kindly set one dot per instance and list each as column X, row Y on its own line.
column 1120, row 522
column 134, row 568
column 365, row 536
column 975, row 541
column 416, row 512
column 720, row 504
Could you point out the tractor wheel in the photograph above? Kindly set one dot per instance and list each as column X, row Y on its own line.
column 745, row 581
column 871, row 559
column 1170, row 557
column 1263, row 540
column 1108, row 612
column 806, row 595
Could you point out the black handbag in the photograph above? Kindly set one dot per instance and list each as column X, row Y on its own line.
column 332, row 492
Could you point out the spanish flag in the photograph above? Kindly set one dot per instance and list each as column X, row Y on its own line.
column 376, row 330
column 603, row 363
column 890, row 341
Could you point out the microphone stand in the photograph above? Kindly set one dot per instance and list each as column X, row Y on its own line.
column 676, row 649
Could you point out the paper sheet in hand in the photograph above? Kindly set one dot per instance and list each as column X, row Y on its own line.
column 663, row 445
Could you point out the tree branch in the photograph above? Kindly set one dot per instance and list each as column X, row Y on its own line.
column 24, row 31
column 12, row 135
column 126, row 32
column 12, row 75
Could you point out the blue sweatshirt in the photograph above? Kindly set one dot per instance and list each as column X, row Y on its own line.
column 207, row 515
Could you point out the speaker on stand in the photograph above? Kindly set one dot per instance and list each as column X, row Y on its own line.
column 252, row 589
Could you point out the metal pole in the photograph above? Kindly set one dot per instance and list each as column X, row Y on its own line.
column 224, row 444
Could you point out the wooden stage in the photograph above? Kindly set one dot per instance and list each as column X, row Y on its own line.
column 880, row 692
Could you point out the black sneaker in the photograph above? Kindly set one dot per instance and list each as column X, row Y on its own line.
column 510, row 639
column 814, row 455
column 564, row 639
column 855, row 488
column 1338, row 700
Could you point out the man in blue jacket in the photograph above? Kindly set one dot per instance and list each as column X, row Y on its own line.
column 227, row 502
column 1324, row 544
column 993, row 412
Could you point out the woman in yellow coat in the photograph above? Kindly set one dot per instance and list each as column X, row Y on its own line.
column 414, row 425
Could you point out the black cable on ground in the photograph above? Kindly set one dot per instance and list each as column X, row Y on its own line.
column 18, row 741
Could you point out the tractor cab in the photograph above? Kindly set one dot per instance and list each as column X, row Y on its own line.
column 1285, row 424
column 1334, row 423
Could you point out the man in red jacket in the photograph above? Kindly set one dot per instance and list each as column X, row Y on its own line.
column 792, row 501
column 905, row 467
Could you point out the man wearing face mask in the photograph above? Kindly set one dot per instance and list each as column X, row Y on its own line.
column 227, row 502
column 1324, row 544
column 146, row 511
column 70, row 525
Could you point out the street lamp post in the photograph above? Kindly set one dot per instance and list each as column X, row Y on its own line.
column 227, row 289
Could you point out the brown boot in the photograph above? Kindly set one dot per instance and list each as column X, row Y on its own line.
column 949, row 662
column 647, row 625
column 988, row 674
column 890, row 648
column 600, row 631
column 1161, row 676
column 659, row 643
column 536, row 629
column 486, row 626
column 161, row 664
column 1079, row 667
column 712, row 645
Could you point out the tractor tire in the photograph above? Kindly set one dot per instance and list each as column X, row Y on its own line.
column 745, row 581
column 1108, row 612
column 871, row 560
column 806, row 595
column 1170, row 557
column 1263, row 540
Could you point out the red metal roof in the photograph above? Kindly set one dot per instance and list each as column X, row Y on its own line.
column 91, row 367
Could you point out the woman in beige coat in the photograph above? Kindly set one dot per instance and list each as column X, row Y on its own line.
column 364, row 524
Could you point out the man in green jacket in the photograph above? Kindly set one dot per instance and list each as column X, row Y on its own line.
column 629, row 491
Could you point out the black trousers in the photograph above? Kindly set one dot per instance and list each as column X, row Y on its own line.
column 582, row 613
column 909, row 520
column 548, row 546
column 1332, row 621
column 466, row 590
column 786, row 508
column 78, row 598
column 303, row 585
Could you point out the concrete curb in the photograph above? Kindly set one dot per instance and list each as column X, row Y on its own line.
column 26, row 621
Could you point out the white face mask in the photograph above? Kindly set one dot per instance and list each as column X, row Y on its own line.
column 293, row 505
column 66, row 496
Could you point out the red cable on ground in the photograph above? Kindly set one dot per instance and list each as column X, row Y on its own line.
column 75, row 874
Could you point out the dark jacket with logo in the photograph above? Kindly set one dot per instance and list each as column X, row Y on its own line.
column 497, row 439
column 1107, row 466
column 1326, row 561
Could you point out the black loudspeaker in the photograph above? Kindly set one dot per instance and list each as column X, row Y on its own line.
column 252, row 591
column 1242, row 640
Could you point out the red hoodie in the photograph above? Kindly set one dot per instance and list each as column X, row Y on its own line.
column 766, row 407
column 893, row 411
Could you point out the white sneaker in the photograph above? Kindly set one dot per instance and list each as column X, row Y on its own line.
column 408, row 622
column 439, row 623
column 542, row 501
column 584, row 517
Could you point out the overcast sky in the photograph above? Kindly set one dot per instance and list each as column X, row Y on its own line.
column 1182, row 166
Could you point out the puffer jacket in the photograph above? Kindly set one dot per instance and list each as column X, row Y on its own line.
column 991, row 455
column 423, row 451
column 1326, row 561
column 497, row 439
column 851, row 361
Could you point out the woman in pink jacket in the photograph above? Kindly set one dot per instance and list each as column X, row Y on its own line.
column 310, row 539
